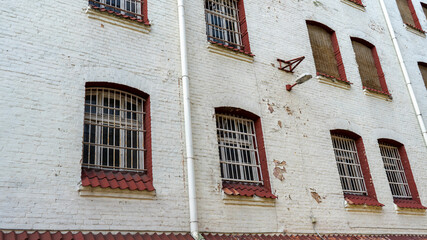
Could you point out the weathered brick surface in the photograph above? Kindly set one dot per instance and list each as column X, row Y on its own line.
column 49, row 50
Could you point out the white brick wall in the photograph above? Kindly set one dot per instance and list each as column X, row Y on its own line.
column 49, row 50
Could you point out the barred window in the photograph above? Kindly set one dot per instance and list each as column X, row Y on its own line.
column 349, row 168
column 222, row 22
column 130, row 8
column 113, row 130
column 395, row 172
column 238, row 149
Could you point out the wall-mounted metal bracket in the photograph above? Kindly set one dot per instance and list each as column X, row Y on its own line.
column 290, row 65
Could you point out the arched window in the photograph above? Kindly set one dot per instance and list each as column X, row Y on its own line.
column 241, row 153
column 409, row 16
column 116, row 131
column 399, row 174
column 326, row 52
column 353, row 168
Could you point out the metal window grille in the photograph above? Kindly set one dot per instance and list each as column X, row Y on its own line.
column 349, row 169
column 238, row 151
column 222, row 22
column 395, row 171
column 131, row 8
column 113, row 130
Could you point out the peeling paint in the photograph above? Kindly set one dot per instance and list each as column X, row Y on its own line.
column 279, row 169
column 279, row 123
column 288, row 110
column 270, row 108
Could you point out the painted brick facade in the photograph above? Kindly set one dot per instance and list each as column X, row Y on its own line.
column 49, row 50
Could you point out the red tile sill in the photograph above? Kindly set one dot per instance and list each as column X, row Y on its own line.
column 120, row 15
column 362, row 200
column 333, row 77
column 245, row 189
column 231, row 48
column 408, row 203
column 116, row 179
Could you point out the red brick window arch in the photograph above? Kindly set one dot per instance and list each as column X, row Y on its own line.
column 116, row 137
column 399, row 174
column 369, row 65
column 242, row 156
column 326, row 51
column 353, row 168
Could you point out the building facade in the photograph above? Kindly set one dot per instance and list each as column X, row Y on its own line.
column 93, row 123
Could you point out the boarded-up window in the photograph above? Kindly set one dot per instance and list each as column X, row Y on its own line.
column 423, row 70
column 369, row 66
column 407, row 11
column 424, row 8
column 323, row 50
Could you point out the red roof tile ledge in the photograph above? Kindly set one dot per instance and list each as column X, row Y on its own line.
column 120, row 184
column 408, row 205
column 247, row 194
column 362, row 203
column 56, row 235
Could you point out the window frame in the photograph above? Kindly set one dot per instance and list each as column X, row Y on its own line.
column 147, row 152
column 241, row 187
column 416, row 25
column 414, row 201
column 381, row 76
column 371, row 197
column 244, row 45
column 141, row 17
column 423, row 74
column 336, row 49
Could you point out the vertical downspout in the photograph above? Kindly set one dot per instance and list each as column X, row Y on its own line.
column 187, row 123
column 405, row 72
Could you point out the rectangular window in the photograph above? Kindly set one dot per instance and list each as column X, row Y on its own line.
column 346, row 156
column 369, row 66
column 238, row 150
column 409, row 16
column 424, row 6
column 395, row 171
column 423, row 70
column 226, row 24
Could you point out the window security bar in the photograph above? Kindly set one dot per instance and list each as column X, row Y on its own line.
column 222, row 22
column 238, row 150
column 349, row 169
column 113, row 130
column 395, row 171
column 131, row 8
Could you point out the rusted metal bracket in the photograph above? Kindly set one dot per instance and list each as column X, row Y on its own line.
column 290, row 65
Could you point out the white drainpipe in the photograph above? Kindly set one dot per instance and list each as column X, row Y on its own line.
column 405, row 72
column 187, row 123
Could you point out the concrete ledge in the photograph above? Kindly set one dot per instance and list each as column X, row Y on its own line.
column 333, row 82
column 115, row 193
column 354, row 5
column 248, row 201
column 362, row 208
column 116, row 21
column 213, row 48
column 377, row 95
column 409, row 211
column 414, row 31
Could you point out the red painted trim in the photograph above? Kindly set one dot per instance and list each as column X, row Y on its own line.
column 259, row 136
column 414, row 15
column 340, row 64
column 143, row 21
column 406, row 167
column 362, row 159
column 379, row 70
column 145, row 12
column 358, row 2
column 147, row 118
column 243, row 27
